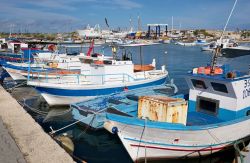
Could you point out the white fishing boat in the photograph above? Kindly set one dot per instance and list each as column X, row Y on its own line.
column 210, row 47
column 186, row 43
column 217, row 117
column 101, row 78
column 236, row 51
column 20, row 71
column 198, row 42
column 16, row 45
column 46, row 64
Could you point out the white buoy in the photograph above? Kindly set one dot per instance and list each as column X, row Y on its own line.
column 166, row 52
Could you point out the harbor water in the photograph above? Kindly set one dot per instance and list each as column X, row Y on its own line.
column 101, row 146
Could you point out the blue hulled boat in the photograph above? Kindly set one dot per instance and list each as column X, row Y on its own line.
column 93, row 112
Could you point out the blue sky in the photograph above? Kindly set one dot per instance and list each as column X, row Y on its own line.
column 68, row 15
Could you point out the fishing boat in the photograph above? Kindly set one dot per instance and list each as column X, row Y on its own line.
column 93, row 112
column 99, row 77
column 235, row 51
column 210, row 47
column 185, row 43
column 20, row 71
column 198, row 42
column 45, row 64
column 102, row 78
column 214, row 117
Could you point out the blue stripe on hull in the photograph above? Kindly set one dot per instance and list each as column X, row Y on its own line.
column 94, row 92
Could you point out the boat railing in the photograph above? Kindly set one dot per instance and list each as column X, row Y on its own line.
column 53, row 77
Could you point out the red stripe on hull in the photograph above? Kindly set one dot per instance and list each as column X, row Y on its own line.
column 178, row 149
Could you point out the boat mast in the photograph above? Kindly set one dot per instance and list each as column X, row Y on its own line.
column 172, row 24
column 217, row 50
column 130, row 22
column 139, row 23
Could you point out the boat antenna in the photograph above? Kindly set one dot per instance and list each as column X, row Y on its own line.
column 228, row 19
column 139, row 22
column 217, row 50
column 130, row 22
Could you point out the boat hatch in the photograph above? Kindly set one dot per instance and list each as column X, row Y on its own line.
column 199, row 84
column 207, row 105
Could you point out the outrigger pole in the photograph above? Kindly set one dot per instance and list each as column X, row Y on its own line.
column 218, row 48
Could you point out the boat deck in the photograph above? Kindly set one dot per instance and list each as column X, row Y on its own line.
column 124, row 101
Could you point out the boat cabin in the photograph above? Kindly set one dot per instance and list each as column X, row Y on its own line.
column 224, row 96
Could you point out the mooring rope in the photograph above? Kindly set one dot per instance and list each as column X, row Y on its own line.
column 55, row 131
column 33, row 109
column 16, row 86
column 140, row 140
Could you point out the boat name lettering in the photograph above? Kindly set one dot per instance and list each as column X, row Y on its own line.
column 247, row 83
column 246, row 93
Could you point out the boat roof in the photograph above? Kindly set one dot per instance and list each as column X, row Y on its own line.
column 222, row 77
column 227, row 75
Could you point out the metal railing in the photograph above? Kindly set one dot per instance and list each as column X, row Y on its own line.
column 53, row 77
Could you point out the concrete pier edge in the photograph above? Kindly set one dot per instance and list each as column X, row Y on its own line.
column 35, row 145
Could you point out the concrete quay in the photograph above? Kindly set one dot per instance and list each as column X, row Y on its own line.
column 9, row 151
column 19, row 130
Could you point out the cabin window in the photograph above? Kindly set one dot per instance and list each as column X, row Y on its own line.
column 88, row 61
column 219, row 87
column 248, row 113
column 198, row 84
column 207, row 105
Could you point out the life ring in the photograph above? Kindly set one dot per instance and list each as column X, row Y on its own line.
column 207, row 70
